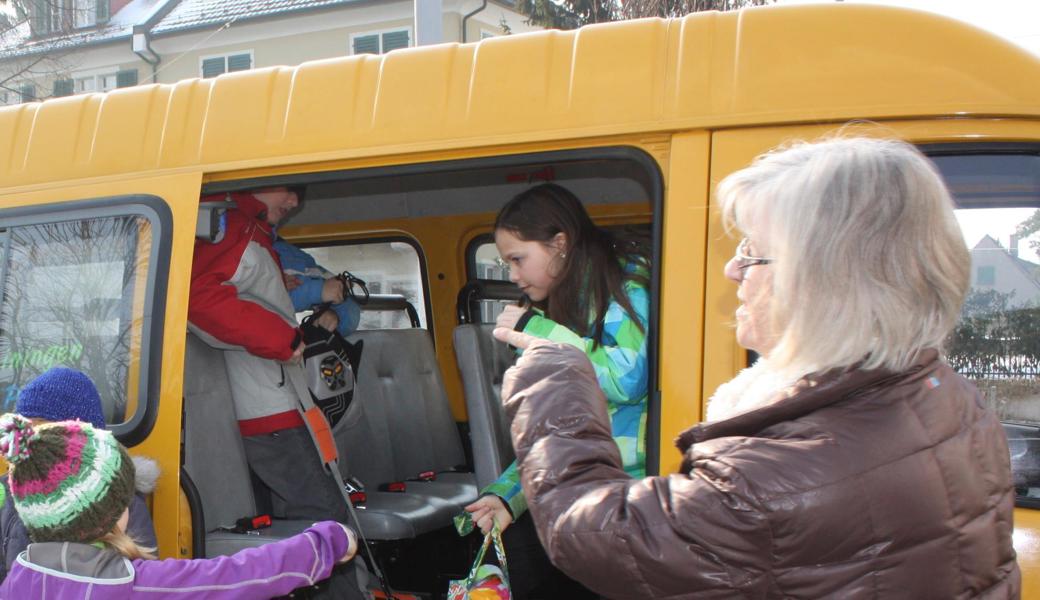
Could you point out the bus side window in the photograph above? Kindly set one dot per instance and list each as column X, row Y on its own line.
column 74, row 295
column 996, row 343
column 484, row 263
column 387, row 267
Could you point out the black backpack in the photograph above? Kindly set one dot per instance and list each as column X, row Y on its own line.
column 331, row 365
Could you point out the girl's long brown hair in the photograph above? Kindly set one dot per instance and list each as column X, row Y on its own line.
column 592, row 273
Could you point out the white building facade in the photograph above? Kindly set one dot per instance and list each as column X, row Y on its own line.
column 101, row 45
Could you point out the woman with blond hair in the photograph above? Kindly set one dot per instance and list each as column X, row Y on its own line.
column 850, row 461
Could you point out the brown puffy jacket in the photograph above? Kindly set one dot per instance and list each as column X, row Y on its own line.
column 864, row 485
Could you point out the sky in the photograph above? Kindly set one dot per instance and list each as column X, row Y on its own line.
column 1016, row 20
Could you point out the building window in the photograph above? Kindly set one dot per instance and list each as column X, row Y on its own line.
column 55, row 20
column 211, row 66
column 126, row 78
column 85, row 12
column 103, row 82
column 380, row 42
column 52, row 16
column 85, row 85
column 986, row 275
column 27, row 92
column 63, row 87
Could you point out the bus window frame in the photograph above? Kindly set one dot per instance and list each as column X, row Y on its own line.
column 137, row 428
column 471, row 253
column 655, row 193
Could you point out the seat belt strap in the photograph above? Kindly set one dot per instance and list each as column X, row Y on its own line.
column 321, row 435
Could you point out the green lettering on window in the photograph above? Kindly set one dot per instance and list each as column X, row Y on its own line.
column 44, row 358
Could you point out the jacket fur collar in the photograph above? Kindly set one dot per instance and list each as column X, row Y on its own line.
column 757, row 398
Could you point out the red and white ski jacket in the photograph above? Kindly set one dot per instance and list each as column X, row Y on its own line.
column 239, row 303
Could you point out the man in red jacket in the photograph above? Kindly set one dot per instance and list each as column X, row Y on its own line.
column 239, row 303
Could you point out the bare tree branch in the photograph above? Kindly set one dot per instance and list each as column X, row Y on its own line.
column 31, row 36
column 570, row 14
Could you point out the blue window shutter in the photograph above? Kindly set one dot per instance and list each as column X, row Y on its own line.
column 211, row 67
column 392, row 40
column 27, row 91
column 239, row 62
column 366, row 44
column 38, row 17
column 127, row 78
column 102, row 11
column 62, row 87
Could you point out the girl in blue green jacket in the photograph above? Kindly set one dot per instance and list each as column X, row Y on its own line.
column 585, row 287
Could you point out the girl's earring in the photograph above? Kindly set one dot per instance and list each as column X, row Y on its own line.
column 563, row 255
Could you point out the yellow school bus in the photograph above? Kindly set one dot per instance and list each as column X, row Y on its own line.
column 405, row 159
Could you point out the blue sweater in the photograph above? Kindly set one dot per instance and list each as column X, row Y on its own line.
column 312, row 276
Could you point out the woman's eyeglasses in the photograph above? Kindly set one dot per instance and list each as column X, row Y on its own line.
column 744, row 260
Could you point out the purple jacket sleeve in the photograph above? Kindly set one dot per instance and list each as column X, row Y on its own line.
column 263, row 572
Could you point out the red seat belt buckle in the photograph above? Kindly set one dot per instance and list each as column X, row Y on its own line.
column 394, row 486
column 427, row 476
column 253, row 523
column 358, row 498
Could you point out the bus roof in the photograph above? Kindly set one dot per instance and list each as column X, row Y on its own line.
column 709, row 70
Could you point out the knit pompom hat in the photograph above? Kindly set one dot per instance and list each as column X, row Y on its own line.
column 61, row 394
column 69, row 481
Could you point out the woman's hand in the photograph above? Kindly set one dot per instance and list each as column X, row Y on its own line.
column 352, row 546
column 509, row 316
column 487, row 511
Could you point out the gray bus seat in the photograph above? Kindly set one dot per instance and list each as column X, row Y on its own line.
column 407, row 428
column 211, row 429
column 482, row 363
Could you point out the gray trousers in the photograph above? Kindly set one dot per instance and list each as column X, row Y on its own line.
column 288, row 465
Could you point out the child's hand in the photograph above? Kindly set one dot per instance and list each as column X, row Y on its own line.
column 487, row 511
column 297, row 355
column 328, row 321
column 509, row 316
column 352, row 546
column 332, row 290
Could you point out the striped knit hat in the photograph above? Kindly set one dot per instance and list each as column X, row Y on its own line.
column 69, row 481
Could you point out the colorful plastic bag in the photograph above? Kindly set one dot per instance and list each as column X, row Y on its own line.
column 485, row 582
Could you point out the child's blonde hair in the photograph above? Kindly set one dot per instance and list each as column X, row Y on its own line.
column 118, row 540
